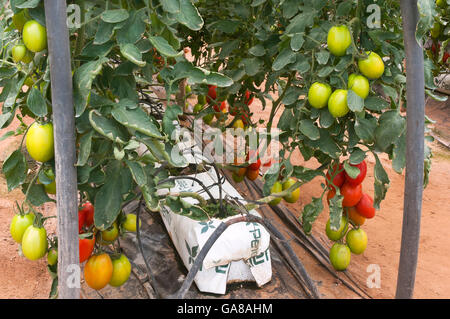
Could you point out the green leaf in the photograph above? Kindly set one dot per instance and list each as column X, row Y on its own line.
column 37, row 194
column 108, row 128
column 114, row 16
column 325, row 71
column 6, row 135
column 427, row 14
column 257, row 50
column 132, row 53
column 357, row 156
column 285, row 57
column 189, row 15
column 326, row 119
column 326, row 144
column 436, row 97
column 85, row 148
column 308, row 128
column 381, row 182
column 391, row 126
column 310, row 213
column 354, row 101
column 351, row 171
column 399, row 154
column 297, row 41
column 83, row 78
column 171, row 6
column 365, row 129
column 376, row 104
column 171, row 116
column 104, row 33
column 322, row 56
column 136, row 119
column 28, row 4
column 300, row 22
column 251, row 66
column 108, row 200
column 15, row 169
column 139, row 175
column 36, row 103
column 344, row 8
column 336, row 211
column 164, row 47
column 133, row 29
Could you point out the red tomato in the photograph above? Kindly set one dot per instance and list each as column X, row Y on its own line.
column 338, row 180
column 352, row 194
column 245, row 118
column 365, row 206
column 330, row 195
column 248, row 98
column 88, row 210
column 253, row 156
column 86, row 247
column 81, row 220
column 252, row 174
column 362, row 174
column 212, row 95
column 222, row 105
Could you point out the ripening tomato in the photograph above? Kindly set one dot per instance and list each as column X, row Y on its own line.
column 86, row 247
column 338, row 40
column 19, row 224
column 372, row 67
column 237, row 178
column 340, row 256
column 362, row 174
column 355, row 217
column 352, row 194
column 318, row 94
column 252, row 174
column 357, row 241
column 98, row 271
column 220, row 107
column 238, row 124
column 365, row 206
column 338, row 180
column 359, row 84
column 34, row 242
column 39, row 142
column 34, row 36
column 121, row 271
column 276, row 188
column 253, row 160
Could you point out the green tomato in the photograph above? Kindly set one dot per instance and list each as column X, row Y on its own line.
column 357, row 241
column 335, row 235
column 121, row 271
column 372, row 67
column 198, row 108
column 18, row 52
column 201, row 99
column 29, row 56
column 111, row 234
column 130, row 223
column 337, row 104
column 34, row 36
column 19, row 224
column 237, row 178
column 208, row 118
column 20, row 18
column 295, row 195
column 52, row 257
column 338, row 40
column 318, row 94
column 276, row 188
column 39, row 142
column 340, row 256
column 359, row 84
column 187, row 89
column 436, row 30
column 34, row 242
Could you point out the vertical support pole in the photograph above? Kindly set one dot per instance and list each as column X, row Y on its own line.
column 415, row 99
column 65, row 156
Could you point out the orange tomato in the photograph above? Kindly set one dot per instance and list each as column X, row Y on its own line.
column 98, row 271
column 355, row 217
column 252, row 174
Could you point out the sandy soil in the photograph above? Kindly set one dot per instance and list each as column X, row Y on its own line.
column 21, row 278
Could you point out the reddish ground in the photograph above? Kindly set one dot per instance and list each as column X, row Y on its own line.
column 21, row 278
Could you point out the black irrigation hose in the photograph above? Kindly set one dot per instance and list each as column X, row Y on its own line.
column 180, row 294
column 152, row 278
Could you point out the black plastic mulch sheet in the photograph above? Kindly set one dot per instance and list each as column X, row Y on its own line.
column 169, row 271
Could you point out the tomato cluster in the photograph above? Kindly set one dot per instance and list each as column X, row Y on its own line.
column 358, row 207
